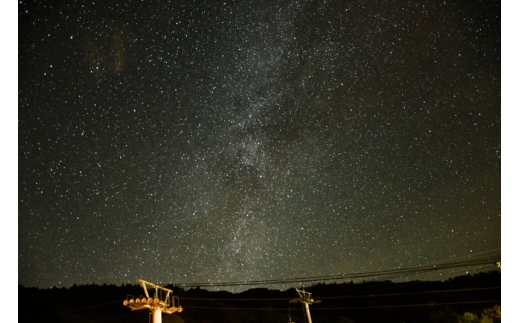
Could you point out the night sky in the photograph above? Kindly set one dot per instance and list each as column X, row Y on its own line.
column 217, row 141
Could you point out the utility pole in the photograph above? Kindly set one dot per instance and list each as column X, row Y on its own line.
column 160, row 303
column 305, row 298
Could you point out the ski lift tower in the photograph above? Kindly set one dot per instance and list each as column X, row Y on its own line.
column 161, row 302
column 305, row 298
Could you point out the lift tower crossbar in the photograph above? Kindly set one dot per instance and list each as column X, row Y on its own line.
column 160, row 303
column 305, row 298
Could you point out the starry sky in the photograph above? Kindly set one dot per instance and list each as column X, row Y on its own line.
column 217, row 141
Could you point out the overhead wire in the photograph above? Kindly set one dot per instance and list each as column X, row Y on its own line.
column 371, row 288
column 411, row 270
column 418, row 282
column 468, row 255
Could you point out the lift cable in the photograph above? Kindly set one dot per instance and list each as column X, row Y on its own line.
column 411, row 271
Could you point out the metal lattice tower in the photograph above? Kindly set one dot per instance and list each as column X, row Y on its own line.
column 305, row 298
column 161, row 302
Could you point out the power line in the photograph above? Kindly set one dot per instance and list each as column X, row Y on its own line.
column 388, row 283
column 441, row 261
column 391, row 287
column 468, row 255
column 410, row 271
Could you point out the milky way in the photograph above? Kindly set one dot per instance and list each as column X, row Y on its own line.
column 215, row 141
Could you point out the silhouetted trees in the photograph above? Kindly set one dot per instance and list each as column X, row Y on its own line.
column 490, row 315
